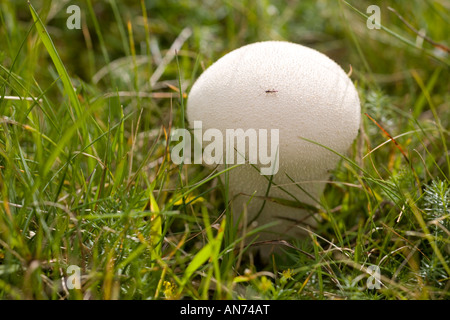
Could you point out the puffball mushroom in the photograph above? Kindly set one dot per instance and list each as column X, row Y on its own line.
column 292, row 88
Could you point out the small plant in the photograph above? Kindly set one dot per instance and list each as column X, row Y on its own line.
column 436, row 203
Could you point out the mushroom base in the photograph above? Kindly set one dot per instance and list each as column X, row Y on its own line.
column 292, row 220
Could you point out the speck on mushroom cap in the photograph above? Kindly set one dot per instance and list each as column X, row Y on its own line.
column 308, row 96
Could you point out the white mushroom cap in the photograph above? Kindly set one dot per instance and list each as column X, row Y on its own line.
column 285, row 86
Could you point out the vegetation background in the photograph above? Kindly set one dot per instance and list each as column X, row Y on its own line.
column 87, row 186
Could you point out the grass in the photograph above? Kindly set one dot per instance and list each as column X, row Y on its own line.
column 86, row 178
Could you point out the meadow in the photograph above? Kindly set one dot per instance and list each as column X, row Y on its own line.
column 93, row 207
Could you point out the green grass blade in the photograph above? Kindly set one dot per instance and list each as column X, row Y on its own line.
column 62, row 72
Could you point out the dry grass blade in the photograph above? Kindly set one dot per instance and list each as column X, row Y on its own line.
column 176, row 46
column 390, row 137
column 420, row 34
